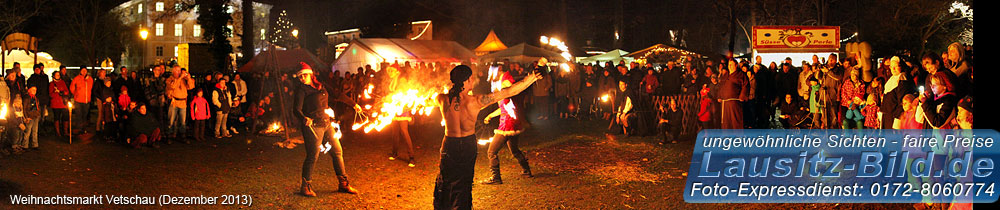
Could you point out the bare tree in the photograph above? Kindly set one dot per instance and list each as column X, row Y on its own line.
column 13, row 13
column 92, row 32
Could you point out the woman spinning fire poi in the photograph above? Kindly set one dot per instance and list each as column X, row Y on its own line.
column 311, row 107
column 402, row 121
column 509, row 129
column 453, row 188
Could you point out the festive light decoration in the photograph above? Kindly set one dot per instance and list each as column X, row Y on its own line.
column 849, row 38
column 284, row 33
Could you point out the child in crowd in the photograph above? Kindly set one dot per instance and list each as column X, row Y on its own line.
column 255, row 114
column 705, row 108
column 108, row 115
column 199, row 113
column 871, row 110
column 123, row 101
column 124, row 106
column 909, row 120
column 17, row 125
column 815, row 108
column 853, row 119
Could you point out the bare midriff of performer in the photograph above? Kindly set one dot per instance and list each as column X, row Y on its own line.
column 453, row 188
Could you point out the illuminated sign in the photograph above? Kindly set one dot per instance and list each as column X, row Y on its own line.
column 795, row 38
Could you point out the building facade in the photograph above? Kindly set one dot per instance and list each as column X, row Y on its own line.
column 170, row 23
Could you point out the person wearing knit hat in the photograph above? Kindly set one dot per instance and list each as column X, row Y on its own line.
column 453, row 187
column 964, row 117
column 310, row 107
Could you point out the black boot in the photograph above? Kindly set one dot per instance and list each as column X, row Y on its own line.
column 527, row 169
column 495, row 179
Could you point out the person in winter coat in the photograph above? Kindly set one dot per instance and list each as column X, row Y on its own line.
column 199, row 113
column 939, row 111
column 144, row 128
column 223, row 102
column 59, row 96
column 81, row 90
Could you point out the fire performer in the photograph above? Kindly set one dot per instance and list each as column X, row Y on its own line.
column 402, row 121
column 509, row 129
column 453, row 188
column 310, row 105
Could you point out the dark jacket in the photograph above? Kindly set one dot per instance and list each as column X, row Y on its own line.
column 32, row 107
column 41, row 83
column 892, row 102
column 310, row 102
column 142, row 123
column 939, row 111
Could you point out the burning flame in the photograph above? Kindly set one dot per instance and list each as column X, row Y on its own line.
column 397, row 103
column 336, row 131
column 368, row 91
column 485, row 141
column 3, row 112
column 604, row 98
column 274, row 128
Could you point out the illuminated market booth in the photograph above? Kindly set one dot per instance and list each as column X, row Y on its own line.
column 661, row 53
column 800, row 43
column 379, row 51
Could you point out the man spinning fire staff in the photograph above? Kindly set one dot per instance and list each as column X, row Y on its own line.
column 453, row 188
column 509, row 129
column 317, row 131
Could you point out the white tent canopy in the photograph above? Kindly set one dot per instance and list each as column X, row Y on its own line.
column 27, row 59
column 373, row 51
column 614, row 56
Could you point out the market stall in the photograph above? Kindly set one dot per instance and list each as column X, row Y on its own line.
column 374, row 51
column 800, row 43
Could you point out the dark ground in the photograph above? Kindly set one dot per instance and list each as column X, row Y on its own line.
column 576, row 167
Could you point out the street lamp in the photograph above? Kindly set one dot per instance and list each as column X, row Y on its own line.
column 143, row 33
column 295, row 33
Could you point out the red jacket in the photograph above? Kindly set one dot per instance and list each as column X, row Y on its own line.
column 56, row 98
column 199, row 108
column 705, row 111
column 650, row 83
column 81, row 88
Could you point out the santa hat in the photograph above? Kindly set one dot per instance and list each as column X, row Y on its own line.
column 305, row 69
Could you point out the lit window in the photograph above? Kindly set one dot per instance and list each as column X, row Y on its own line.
column 231, row 30
column 140, row 8
column 177, row 7
column 262, row 33
column 159, row 6
column 159, row 29
column 197, row 30
column 175, row 52
column 178, row 29
column 196, row 8
column 159, row 50
column 229, row 9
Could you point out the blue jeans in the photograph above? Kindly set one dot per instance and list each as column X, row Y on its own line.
column 314, row 137
column 178, row 121
column 31, row 134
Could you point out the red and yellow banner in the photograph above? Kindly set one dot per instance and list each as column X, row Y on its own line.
column 796, row 38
